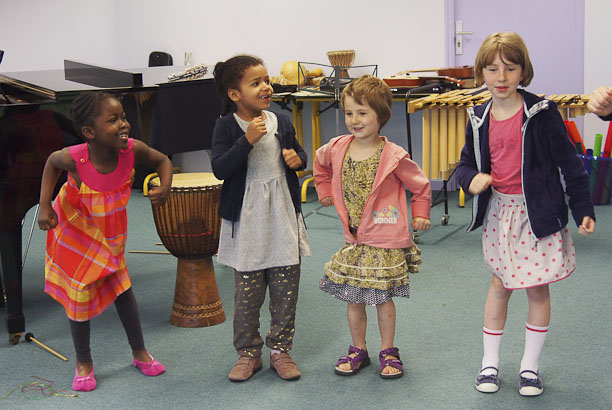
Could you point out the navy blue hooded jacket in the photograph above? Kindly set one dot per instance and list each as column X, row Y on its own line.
column 546, row 150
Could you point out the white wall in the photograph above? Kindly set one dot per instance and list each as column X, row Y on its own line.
column 280, row 30
column 40, row 34
column 121, row 33
column 396, row 35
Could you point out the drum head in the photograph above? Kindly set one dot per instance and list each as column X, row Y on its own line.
column 190, row 180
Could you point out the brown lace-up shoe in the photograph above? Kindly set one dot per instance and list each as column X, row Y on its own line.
column 284, row 366
column 244, row 368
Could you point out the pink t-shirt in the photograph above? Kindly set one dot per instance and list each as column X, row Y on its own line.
column 505, row 140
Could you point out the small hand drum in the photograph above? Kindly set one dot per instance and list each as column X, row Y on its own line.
column 188, row 225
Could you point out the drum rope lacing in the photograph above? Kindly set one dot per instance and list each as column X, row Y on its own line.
column 208, row 306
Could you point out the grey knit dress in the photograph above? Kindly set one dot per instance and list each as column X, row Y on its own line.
column 269, row 233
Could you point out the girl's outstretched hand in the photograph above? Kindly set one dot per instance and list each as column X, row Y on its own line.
column 158, row 195
column 47, row 218
column 600, row 101
column 420, row 224
column 327, row 201
column 587, row 226
column 291, row 158
column 480, row 183
column 256, row 130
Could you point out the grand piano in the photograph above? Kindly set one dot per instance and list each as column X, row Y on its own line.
column 172, row 117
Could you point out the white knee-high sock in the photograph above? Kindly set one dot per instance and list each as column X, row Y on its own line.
column 491, row 340
column 535, row 336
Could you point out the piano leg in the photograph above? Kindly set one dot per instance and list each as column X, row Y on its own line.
column 10, row 253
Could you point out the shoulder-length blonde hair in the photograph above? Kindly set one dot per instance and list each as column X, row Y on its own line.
column 511, row 49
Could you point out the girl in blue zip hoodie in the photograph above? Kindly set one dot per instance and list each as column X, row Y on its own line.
column 516, row 151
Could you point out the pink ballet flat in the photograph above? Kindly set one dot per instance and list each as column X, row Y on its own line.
column 84, row 383
column 152, row 368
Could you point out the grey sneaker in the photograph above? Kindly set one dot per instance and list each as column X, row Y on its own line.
column 529, row 386
column 487, row 383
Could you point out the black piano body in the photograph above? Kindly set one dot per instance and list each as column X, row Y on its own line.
column 172, row 117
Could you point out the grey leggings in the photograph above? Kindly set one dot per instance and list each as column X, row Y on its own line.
column 127, row 309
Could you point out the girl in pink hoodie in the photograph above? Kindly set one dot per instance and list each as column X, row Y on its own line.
column 364, row 176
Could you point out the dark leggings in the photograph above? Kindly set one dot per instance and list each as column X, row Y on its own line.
column 127, row 309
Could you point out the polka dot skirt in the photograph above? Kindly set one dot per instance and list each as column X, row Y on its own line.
column 513, row 254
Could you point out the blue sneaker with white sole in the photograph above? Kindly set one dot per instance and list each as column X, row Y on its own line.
column 529, row 386
column 487, row 383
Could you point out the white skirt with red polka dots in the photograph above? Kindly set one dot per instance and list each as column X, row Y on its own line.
column 514, row 255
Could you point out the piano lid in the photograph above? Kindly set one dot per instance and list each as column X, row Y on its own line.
column 52, row 84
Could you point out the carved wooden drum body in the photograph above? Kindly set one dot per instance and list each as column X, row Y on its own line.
column 188, row 225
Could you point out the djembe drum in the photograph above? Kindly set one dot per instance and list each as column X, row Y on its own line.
column 188, row 225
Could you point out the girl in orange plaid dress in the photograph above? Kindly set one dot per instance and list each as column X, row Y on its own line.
column 85, row 266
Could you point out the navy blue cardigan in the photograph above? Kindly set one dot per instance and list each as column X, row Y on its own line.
column 230, row 151
column 546, row 149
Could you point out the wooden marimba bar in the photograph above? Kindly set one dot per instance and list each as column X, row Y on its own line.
column 443, row 131
column 445, row 120
column 570, row 105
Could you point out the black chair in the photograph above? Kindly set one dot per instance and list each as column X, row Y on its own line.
column 159, row 58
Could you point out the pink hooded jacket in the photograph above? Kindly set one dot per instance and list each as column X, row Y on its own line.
column 384, row 220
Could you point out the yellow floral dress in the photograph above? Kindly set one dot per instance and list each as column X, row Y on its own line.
column 360, row 273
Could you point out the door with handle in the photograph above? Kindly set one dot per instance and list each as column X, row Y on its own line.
column 459, row 33
column 552, row 29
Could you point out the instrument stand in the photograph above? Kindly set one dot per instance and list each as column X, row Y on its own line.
column 436, row 87
column 8, row 100
column 337, row 93
column 34, row 221
column 336, row 81
column 316, row 211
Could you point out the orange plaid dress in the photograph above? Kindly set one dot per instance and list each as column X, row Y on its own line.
column 85, row 267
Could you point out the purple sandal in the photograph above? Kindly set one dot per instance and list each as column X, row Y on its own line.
column 357, row 362
column 395, row 363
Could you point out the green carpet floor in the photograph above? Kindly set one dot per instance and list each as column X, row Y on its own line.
column 439, row 333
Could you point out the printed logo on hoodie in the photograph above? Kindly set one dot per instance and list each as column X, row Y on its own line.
column 387, row 215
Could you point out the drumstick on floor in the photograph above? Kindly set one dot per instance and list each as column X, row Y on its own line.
column 30, row 338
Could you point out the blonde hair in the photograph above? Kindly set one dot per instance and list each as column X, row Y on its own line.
column 511, row 49
column 371, row 91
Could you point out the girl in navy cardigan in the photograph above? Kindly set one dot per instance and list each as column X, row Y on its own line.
column 263, row 237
